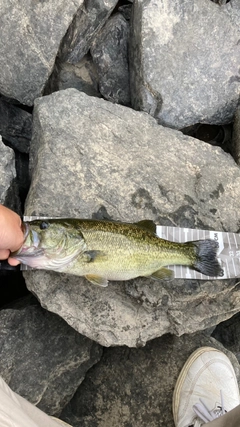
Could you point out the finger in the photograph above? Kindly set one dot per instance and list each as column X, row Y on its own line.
column 4, row 253
column 11, row 232
column 13, row 262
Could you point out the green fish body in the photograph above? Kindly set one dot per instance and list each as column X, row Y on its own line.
column 106, row 250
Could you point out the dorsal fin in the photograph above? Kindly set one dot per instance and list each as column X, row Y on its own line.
column 147, row 224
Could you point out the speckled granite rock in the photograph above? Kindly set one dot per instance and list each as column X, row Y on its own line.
column 87, row 161
column 41, row 357
column 184, row 70
column 31, row 33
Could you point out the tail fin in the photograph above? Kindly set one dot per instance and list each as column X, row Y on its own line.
column 206, row 261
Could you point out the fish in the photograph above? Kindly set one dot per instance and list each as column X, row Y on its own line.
column 104, row 251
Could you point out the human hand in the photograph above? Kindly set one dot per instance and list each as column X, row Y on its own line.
column 11, row 234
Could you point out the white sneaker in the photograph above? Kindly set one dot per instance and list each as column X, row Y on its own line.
column 206, row 388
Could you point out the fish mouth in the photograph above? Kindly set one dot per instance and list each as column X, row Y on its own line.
column 30, row 253
column 28, row 249
column 33, row 255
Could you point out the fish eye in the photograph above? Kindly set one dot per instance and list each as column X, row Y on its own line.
column 44, row 225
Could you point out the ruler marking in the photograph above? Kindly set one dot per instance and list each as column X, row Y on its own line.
column 227, row 272
column 236, row 243
column 233, row 263
column 229, row 241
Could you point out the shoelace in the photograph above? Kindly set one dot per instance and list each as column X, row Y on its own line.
column 206, row 415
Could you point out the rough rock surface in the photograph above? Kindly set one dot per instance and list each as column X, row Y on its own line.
column 134, row 387
column 87, row 161
column 184, row 70
column 126, row 11
column 7, row 170
column 15, row 126
column 84, row 28
column 31, row 33
column 12, row 285
column 81, row 76
column 9, row 195
column 236, row 137
column 228, row 333
column 22, row 180
column 41, row 357
column 110, row 54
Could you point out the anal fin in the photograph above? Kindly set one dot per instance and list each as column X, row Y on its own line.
column 163, row 274
column 97, row 280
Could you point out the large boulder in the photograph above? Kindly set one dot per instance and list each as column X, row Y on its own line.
column 93, row 159
column 31, row 33
column 184, row 70
column 41, row 357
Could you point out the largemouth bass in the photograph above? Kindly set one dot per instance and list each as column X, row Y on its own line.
column 106, row 250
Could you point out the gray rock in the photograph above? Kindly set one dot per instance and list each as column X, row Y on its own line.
column 110, row 54
column 81, row 76
column 14, row 177
column 236, row 137
column 9, row 197
column 7, row 170
column 91, row 158
column 23, row 179
column 15, row 126
column 85, row 27
column 9, row 191
column 41, row 357
column 30, row 37
column 134, row 387
column 228, row 334
column 126, row 11
column 133, row 313
column 183, row 68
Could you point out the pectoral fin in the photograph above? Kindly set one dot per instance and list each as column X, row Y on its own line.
column 90, row 256
column 97, row 280
column 163, row 274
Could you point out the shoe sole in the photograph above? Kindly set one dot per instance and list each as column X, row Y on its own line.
column 182, row 376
